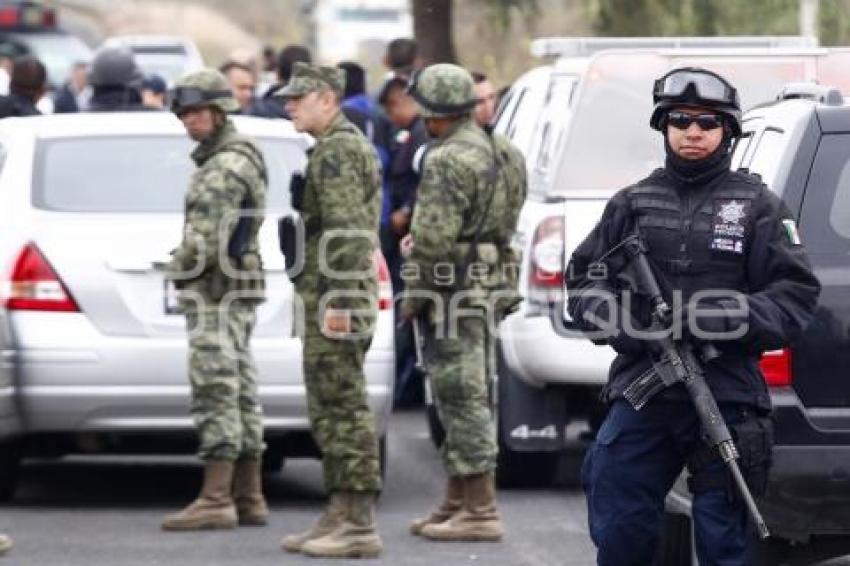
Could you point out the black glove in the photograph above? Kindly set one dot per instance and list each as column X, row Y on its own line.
column 610, row 328
column 288, row 239
column 708, row 318
column 297, row 184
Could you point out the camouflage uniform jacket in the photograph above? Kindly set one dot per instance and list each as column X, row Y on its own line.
column 342, row 193
column 231, row 176
column 459, row 178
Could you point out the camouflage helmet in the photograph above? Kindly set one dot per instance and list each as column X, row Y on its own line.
column 204, row 88
column 115, row 67
column 443, row 90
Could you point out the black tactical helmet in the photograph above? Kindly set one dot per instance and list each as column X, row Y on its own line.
column 115, row 67
column 693, row 86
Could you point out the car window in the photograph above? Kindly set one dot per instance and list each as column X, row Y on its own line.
column 3, row 154
column 554, row 118
column 742, row 145
column 825, row 216
column 609, row 144
column 767, row 155
column 137, row 174
column 58, row 51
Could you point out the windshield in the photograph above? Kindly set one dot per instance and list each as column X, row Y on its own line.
column 169, row 67
column 138, row 174
column 610, row 144
column 58, row 52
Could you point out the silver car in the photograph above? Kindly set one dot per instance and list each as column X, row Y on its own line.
column 90, row 361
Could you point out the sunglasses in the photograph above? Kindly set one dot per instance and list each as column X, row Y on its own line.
column 683, row 120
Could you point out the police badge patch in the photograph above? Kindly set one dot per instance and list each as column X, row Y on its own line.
column 729, row 232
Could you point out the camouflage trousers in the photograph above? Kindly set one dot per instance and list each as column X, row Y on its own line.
column 225, row 403
column 457, row 365
column 341, row 421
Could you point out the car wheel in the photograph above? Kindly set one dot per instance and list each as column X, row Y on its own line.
column 10, row 461
column 273, row 461
column 675, row 547
column 525, row 469
column 435, row 426
column 516, row 468
column 382, row 456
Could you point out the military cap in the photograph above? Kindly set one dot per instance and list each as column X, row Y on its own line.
column 308, row 78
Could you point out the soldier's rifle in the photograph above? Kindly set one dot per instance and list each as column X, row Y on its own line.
column 677, row 362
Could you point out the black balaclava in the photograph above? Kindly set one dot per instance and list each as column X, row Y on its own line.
column 691, row 172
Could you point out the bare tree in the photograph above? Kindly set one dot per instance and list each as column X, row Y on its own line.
column 432, row 27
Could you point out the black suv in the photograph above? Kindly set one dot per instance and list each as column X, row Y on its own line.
column 800, row 146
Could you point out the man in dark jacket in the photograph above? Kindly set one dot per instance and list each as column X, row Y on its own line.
column 726, row 251
column 401, row 179
column 28, row 85
column 116, row 81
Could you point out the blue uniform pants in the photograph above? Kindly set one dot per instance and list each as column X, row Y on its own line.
column 627, row 473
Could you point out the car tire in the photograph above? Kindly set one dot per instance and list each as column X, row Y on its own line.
column 435, row 426
column 676, row 545
column 10, row 462
column 514, row 468
column 273, row 461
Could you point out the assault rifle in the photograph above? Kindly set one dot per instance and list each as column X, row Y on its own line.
column 677, row 362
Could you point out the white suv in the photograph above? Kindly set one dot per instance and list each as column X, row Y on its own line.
column 591, row 140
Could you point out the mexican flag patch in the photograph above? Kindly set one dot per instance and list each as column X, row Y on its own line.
column 791, row 231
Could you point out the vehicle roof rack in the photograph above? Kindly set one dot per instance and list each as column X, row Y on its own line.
column 587, row 46
column 812, row 91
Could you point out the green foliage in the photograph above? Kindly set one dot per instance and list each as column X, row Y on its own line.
column 693, row 17
column 501, row 9
column 834, row 22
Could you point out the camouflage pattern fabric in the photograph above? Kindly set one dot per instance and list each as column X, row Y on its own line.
column 225, row 404
column 219, row 294
column 458, row 366
column 461, row 192
column 340, row 211
column 308, row 78
column 230, row 170
column 443, row 90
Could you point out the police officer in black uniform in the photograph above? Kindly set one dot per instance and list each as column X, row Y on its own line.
column 727, row 251
column 116, row 81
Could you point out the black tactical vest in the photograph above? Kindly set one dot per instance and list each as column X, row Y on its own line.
column 698, row 237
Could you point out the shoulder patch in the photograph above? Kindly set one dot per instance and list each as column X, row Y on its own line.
column 330, row 168
column 790, row 229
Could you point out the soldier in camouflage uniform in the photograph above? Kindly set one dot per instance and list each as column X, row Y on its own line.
column 339, row 200
column 473, row 185
column 218, row 270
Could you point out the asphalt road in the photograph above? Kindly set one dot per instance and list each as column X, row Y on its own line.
column 84, row 512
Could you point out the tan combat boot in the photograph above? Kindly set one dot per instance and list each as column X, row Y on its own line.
column 6, row 544
column 213, row 509
column 355, row 537
column 452, row 503
column 251, row 506
column 333, row 515
column 479, row 519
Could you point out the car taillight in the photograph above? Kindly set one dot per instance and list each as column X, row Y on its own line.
column 34, row 285
column 8, row 17
column 776, row 368
column 385, row 285
column 546, row 267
